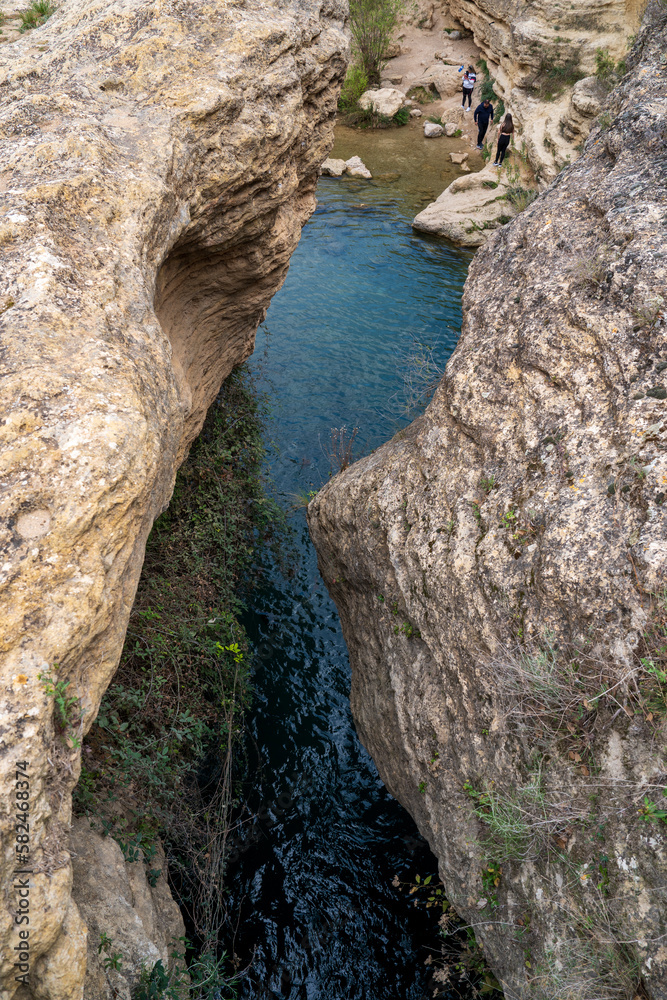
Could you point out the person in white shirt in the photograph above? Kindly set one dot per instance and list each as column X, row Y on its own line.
column 468, row 85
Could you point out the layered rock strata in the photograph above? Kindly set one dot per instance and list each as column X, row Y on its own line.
column 543, row 59
column 157, row 162
column 505, row 553
column 535, row 50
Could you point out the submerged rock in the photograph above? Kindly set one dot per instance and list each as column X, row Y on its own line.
column 499, row 568
column 356, row 168
column 158, row 163
column 333, row 167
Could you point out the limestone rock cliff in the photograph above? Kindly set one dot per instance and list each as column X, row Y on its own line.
column 157, row 162
column 117, row 904
column 499, row 568
column 535, row 51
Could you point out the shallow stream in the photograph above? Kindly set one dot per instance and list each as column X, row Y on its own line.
column 311, row 874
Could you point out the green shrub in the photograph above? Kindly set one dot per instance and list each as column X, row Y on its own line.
column 372, row 23
column 36, row 14
column 606, row 70
column 354, row 85
column 553, row 77
column 422, row 95
column 521, row 198
column 402, row 116
column 177, row 701
column 487, row 92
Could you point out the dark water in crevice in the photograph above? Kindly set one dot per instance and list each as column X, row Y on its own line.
column 316, row 915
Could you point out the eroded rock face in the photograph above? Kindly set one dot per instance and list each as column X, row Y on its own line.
column 525, row 43
column 157, row 161
column 525, row 511
column 119, row 908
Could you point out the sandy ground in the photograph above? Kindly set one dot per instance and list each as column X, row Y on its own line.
column 422, row 48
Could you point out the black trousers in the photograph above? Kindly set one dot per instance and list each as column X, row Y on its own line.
column 468, row 94
column 481, row 131
column 503, row 143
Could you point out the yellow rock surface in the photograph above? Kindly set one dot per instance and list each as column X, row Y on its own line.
column 157, row 163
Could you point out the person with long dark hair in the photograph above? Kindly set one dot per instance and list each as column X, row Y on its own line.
column 504, row 136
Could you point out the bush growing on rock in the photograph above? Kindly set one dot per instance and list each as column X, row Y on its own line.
column 372, row 23
column 355, row 84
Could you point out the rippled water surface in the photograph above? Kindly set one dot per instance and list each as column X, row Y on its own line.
column 312, row 873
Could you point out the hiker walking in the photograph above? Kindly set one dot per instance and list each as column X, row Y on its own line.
column 504, row 135
column 483, row 115
column 468, row 85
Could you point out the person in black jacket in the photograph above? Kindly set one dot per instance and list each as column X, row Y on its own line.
column 483, row 115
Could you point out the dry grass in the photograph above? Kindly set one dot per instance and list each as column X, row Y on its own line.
column 341, row 450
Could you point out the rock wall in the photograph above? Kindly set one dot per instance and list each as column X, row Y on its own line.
column 157, row 162
column 499, row 568
column 137, row 921
column 522, row 42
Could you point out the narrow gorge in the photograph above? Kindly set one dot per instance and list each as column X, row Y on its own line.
column 498, row 565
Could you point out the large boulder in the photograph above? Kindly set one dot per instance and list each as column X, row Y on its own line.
column 158, row 163
column 432, row 130
column 386, row 101
column 470, row 208
column 588, row 96
column 333, row 167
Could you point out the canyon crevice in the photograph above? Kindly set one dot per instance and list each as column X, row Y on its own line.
column 499, row 569
column 157, row 163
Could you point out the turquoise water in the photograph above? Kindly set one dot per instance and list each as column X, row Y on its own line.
column 311, row 871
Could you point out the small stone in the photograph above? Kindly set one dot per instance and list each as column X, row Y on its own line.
column 451, row 128
column 454, row 36
column 333, row 168
column 356, row 168
column 657, row 392
column 481, row 903
column 638, row 395
column 431, row 130
column 458, row 157
column 415, row 113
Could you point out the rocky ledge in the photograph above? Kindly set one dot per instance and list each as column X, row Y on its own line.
column 499, row 568
column 157, row 162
